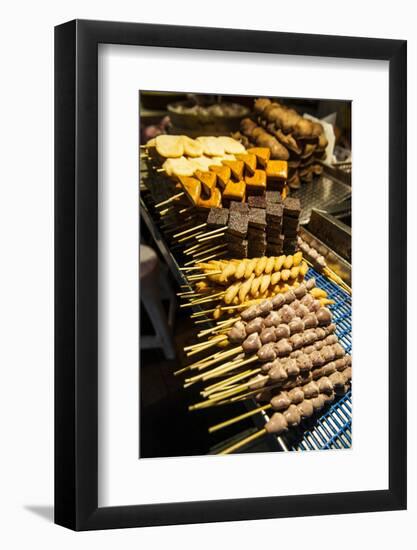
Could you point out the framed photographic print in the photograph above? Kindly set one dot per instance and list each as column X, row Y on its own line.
column 230, row 275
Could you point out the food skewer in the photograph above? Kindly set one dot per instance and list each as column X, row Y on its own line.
column 293, row 414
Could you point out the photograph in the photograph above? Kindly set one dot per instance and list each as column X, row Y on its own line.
column 245, row 224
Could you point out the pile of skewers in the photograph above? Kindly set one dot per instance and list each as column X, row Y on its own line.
column 290, row 136
column 318, row 261
column 282, row 351
column 236, row 284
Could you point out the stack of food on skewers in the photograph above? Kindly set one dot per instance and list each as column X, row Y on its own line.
column 228, row 285
column 289, row 136
column 282, row 352
column 270, row 336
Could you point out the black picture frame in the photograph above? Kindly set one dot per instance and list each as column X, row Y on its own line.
column 76, row 270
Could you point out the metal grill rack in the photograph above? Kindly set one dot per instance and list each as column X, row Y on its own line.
column 333, row 429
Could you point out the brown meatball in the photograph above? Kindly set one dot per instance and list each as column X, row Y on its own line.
column 303, row 311
column 324, row 316
column 347, row 374
column 277, row 424
column 278, row 374
column 306, row 408
column 273, row 319
column 325, row 385
column 237, row 333
column 297, row 341
column 267, row 352
column 266, row 367
column 338, row 351
column 328, row 353
column 316, row 358
column 318, row 402
column 310, row 337
column 328, row 369
column 252, row 343
column 321, row 332
column 310, row 390
column 337, row 379
column 283, row 347
column 296, row 395
column 296, row 325
column 289, row 296
column 250, row 313
column 256, row 325
column 300, row 291
column 266, row 306
column 282, row 331
column 315, row 306
column 311, row 283
column 287, row 314
column 310, row 321
column 292, row 416
column 291, row 366
column 268, row 335
column 281, row 401
column 307, row 300
column 331, row 339
column 304, row 363
column 278, row 301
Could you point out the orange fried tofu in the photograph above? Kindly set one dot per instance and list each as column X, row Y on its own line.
column 236, row 166
column 277, row 170
column 249, row 161
column 262, row 154
column 223, row 174
column 235, row 190
column 192, row 188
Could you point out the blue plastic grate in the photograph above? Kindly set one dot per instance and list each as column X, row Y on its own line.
column 333, row 429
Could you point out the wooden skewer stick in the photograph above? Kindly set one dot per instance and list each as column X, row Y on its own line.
column 212, row 234
column 177, row 196
column 208, row 345
column 202, row 313
column 215, row 295
column 236, row 419
column 229, row 379
column 191, row 248
column 185, row 209
column 212, row 237
column 188, row 230
column 243, row 305
column 219, row 326
column 202, row 321
column 200, row 365
column 201, row 301
column 226, row 383
column 238, row 389
column 200, row 344
column 189, row 237
column 196, row 248
column 214, row 373
column 211, row 257
column 209, row 250
column 243, row 442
